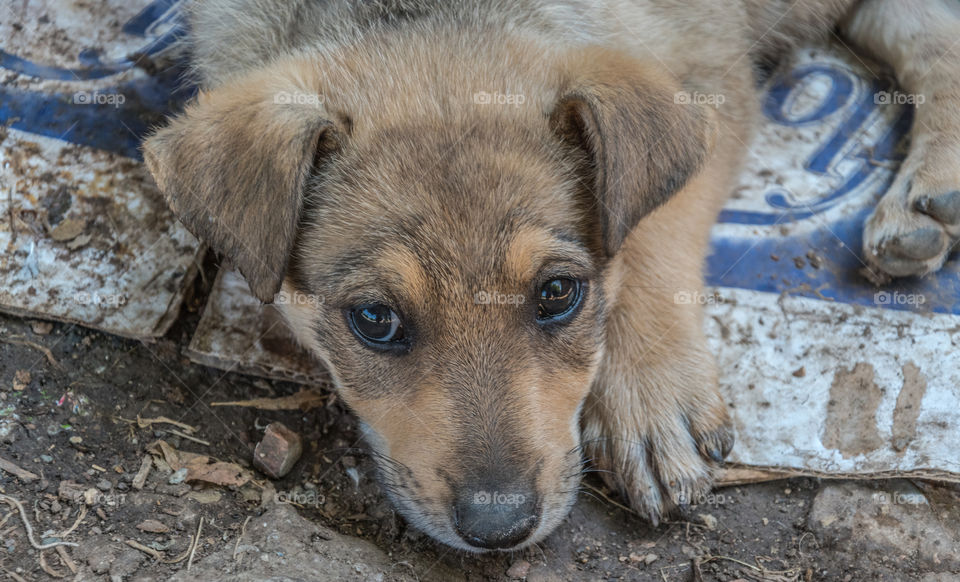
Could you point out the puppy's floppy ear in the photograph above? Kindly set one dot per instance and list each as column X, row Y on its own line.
column 642, row 142
column 233, row 167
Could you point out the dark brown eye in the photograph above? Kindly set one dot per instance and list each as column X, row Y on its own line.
column 376, row 324
column 558, row 298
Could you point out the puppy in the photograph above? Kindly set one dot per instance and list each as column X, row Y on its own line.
column 498, row 202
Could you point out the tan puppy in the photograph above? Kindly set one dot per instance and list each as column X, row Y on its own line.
column 498, row 202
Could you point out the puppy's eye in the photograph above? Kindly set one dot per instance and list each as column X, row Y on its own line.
column 376, row 324
column 558, row 297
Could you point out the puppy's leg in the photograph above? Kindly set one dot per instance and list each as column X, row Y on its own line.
column 654, row 422
column 917, row 222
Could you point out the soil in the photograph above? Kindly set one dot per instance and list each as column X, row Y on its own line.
column 74, row 419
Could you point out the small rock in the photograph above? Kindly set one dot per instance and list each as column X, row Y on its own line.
column 90, row 496
column 46, row 459
column 41, row 327
column 104, row 485
column 518, row 569
column 100, row 558
column 178, row 476
column 279, row 450
column 53, row 430
column 650, row 558
column 21, row 379
column 70, row 491
column 76, row 440
column 126, row 564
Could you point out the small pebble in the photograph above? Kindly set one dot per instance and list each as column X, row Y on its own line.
column 178, row 477
column 104, row 485
column 46, row 458
column 519, row 569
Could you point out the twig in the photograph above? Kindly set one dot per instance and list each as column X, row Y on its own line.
column 157, row 555
column 141, row 478
column 243, row 530
column 706, row 559
column 196, row 542
column 182, row 556
column 17, row 471
column 146, row 422
column 188, row 437
column 83, row 514
column 145, row 549
column 65, row 558
column 46, row 568
column 610, row 501
column 29, row 528
column 302, row 400
column 46, row 352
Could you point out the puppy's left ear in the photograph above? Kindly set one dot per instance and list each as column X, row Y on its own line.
column 233, row 167
column 641, row 138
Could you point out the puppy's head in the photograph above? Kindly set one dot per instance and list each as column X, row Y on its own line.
column 463, row 253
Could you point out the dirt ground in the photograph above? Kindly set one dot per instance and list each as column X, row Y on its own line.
column 70, row 397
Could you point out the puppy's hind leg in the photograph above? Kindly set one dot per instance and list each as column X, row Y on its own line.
column 917, row 223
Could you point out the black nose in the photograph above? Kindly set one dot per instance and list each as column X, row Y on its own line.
column 495, row 520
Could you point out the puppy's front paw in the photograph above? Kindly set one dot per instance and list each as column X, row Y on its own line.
column 658, row 454
column 912, row 230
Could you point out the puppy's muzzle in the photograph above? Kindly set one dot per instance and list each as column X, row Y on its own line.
column 495, row 517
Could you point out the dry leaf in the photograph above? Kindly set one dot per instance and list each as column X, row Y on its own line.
column 82, row 240
column 305, row 399
column 220, row 473
column 69, row 229
column 200, row 467
column 152, row 526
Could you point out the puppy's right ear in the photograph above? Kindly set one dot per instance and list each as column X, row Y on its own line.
column 233, row 167
column 642, row 144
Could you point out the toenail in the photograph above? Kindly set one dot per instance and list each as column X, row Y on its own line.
column 920, row 244
column 945, row 208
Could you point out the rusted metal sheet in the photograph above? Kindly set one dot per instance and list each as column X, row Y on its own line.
column 84, row 235
column 88, row 239
column 239, row 333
